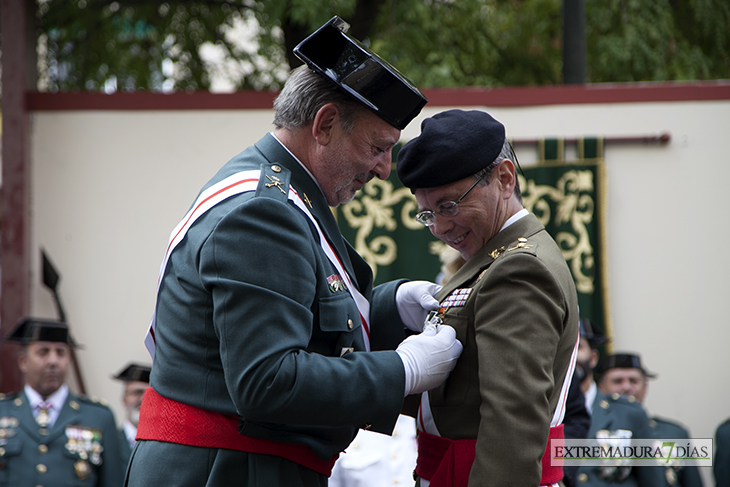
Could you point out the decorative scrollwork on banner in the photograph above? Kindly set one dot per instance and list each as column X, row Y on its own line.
column 569, row 202
column 374, row 208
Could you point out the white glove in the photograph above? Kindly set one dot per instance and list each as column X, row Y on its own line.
column 414, row 300
column 428, row 358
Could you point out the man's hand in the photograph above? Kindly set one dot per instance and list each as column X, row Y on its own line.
column 428, row 358
column 414, row 300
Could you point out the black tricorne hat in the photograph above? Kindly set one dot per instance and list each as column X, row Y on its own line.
column 589, row 332
column 453, row 145
column 622, row 361
column 29, row 330
column 361, row 73
column 134, row 372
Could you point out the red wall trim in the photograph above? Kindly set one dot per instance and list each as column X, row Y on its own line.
column 494, row 97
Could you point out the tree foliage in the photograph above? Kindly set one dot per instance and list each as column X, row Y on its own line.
column 139, row 44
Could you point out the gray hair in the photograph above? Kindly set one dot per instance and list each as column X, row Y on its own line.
column 304, row 93
column 506, row 153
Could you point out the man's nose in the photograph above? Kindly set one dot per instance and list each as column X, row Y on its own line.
column 383, row 166
column 441, row 225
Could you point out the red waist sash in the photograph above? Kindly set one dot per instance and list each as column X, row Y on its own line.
column 163, row 419
column 447, row 463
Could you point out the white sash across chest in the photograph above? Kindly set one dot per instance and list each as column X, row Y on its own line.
column 235, row 184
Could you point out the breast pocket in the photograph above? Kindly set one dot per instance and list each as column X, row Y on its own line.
column 339, row 323
column 454, row 391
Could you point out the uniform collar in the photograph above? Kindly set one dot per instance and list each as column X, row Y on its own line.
column 57, row 399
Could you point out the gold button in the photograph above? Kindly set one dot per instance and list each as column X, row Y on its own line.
column 40, row 468
column 276, row 168
column 74, row 405
column 43, row 431
column 583, row 477
column 2, row 451
column 615, row 396
column 604, row 404
column 18, row 401
column 632, row 399
column 350, row 324
column 42, row 448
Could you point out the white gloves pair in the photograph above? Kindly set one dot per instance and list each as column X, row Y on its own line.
column 427, row 358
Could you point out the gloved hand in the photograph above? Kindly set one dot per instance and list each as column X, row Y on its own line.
column 414, row 300
column 428, row 358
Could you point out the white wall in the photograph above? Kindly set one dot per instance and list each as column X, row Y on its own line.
column 109, row 186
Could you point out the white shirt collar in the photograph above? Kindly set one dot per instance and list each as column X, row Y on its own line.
column 300, row 162
column 130, row 431
column 57, row 400
column 517, row 216
column 591, row 396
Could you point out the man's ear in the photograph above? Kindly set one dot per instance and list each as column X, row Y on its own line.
column 505, row 173
column 22, row 361
column 324, row 123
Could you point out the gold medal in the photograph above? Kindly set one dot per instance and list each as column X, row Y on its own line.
column 82, row 469
column 43, row 419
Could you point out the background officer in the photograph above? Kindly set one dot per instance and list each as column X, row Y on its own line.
column 136, row 378
column 721, row 463
column 49, row 436
column 614, row 416
column 624, row 374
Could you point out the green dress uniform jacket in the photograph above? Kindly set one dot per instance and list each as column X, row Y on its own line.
column 519, row 327
column 675, row 475
column 80, row 449
column 615, row 412
column 721, row 462
column 250, row 323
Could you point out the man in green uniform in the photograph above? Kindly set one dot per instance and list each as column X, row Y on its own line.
column 270, row 346
column 136, row 379
column 49, row 436
column 624, row 374
column 513, row 305
column 617, row 416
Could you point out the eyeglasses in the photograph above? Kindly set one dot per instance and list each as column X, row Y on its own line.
column 448, row 208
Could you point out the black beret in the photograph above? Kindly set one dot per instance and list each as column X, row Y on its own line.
column 453, row 145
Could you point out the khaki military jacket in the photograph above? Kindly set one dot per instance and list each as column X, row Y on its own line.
column 519, row 327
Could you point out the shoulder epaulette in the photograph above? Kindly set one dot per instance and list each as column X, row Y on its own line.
column 521, row 244
column 8, row 396
column 274, row 182
column 94, row 401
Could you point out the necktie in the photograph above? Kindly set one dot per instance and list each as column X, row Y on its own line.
column 43, row 418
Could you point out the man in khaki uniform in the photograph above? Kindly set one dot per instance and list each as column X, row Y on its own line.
column 513, row 305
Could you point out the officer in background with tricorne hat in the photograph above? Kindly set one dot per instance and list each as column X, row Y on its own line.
column 136, row 379
column 49, row 436
column 616, row 417
column 624, row 373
